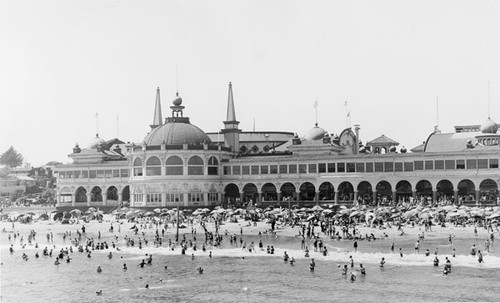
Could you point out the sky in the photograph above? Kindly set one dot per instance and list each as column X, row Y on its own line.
column 402, row 66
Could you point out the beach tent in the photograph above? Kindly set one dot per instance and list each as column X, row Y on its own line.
column 58, row 216
column 43, row 217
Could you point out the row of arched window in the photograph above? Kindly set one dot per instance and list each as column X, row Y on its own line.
column 174, row 166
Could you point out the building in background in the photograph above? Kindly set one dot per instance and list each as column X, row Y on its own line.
column 178, row 164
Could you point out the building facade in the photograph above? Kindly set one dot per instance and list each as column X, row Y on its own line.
column 179, row 165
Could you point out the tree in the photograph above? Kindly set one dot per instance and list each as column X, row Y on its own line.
column 4, row 172
column 11, row 158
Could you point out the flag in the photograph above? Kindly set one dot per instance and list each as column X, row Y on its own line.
column 316, row 104
column 348, row 114
column 345, row 103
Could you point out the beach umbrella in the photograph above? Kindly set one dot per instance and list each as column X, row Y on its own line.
column 410, row 213
column 213, row 212
column 149, row 214
column 197, row 212
column 157, row 210
column 124, row 209
column 494, row 216
column 425, row 216
column 164, row 210
column 221, row 210
column 136, row 211
column 92, row 209
column 463, row 213
column 328, row 211
column 452, row 215
column 205, row 210
column 395, row 215
column 354, row 214
column 317, row 208
column 310, row 217
column 75, row 212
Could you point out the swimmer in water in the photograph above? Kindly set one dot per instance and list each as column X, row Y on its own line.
column 382, row 262
column 147, row 286
column 124, row 266
column 436, row 261
column 353, row 277
column 344, row 270
column 200, row 270
column 312, row 265
column 99, row 270
column 362, row 269
column 292, row 260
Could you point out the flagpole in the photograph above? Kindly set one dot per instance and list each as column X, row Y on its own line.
column 97, row 123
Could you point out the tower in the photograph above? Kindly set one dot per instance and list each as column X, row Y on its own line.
column 231, row 131
column 157, row 119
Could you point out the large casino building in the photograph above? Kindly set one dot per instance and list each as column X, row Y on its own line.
column 178, row 164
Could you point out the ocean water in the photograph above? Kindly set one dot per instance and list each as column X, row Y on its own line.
column 235, row 275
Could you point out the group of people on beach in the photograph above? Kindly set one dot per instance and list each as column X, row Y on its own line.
column 313, row 233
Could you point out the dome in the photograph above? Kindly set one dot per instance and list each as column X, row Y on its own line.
column 95, row 142
column 176, row 132
column 316, row 133
column 489, row 127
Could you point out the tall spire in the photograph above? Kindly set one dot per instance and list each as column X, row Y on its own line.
column 231, row 131
column 157, row 119
column 231, row 115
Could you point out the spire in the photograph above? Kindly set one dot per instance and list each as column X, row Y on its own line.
column 157, row 119
column 231, row 131
column 231, row 115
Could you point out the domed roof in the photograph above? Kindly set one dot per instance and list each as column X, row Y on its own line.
column 176, row 131
column 489, row 127
column 316, row 133
column 95, row 142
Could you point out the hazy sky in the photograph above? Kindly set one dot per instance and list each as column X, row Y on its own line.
column 61, row 61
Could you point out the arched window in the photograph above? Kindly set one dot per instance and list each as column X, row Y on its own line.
column 137, row 167
column 213, row 166
column 195, row 166
column 96, row 194
column 174, row 166
column 153, row 166
column 81, row 195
